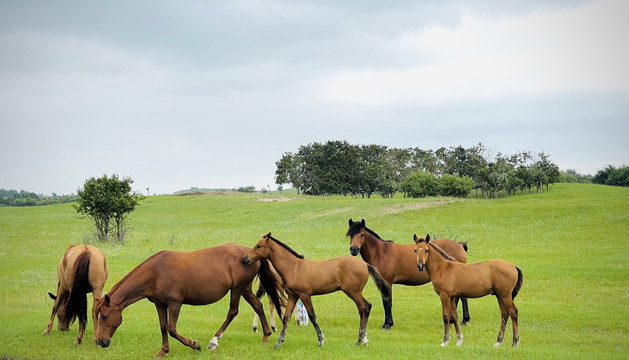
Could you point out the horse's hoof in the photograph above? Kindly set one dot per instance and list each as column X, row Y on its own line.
column 386, row 326
column 64, row 329
column 46, row 332
column 498, row 343
column 213, row 345
column 444, row 344
column 465, row 321
column 195, row 345
column 255, row 329
column 277, row 345
column 160, row 354
column 78, row 342
column 273, row 328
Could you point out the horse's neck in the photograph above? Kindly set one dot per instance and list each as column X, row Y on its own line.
column 371, row 249
column 435, row 263
column 131, row 289
column 282, row 260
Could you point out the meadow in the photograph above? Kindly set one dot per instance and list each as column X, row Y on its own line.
column 571, row 243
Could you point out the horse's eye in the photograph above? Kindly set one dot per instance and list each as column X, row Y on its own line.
column 258, row 246
column 415, row 250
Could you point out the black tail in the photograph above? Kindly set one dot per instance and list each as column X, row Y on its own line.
column 271, row 286
column 385, row 289
column 518, row 284
column 261, row 292
column 76, row 305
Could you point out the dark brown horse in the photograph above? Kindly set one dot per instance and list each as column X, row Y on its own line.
column 169, row 279
column 397, row 262
column 452, row 279
column 81, row 270
column 305, row 278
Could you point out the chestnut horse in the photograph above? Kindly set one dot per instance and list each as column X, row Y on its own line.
column 82, row 270
column 305, row 278
column 396, row 262
column 452, row 279
column 169, row 279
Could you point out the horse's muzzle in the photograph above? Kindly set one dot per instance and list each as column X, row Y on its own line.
column 103, row 343
column 420, row 267
column 354, row 250
column 246, row 260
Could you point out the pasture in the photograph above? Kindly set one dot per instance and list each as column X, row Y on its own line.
column 572, row 245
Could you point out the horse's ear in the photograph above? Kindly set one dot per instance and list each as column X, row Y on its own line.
column 362, row 223
column 107, row 299
column 427, row 238
column 415, row 239
column 351, row 222
column 52, row 296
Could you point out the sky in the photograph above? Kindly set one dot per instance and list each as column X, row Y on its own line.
column 210, row 94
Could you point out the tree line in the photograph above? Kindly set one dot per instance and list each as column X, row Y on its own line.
column 337, row 167
column 26, row 198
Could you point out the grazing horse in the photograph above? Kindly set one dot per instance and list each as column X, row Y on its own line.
column 452, row 279
column 82, row 270
column 169, row 279
column 305, row 278
column 396, row 262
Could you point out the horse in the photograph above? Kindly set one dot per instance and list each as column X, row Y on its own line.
column 396, row 262
column 305, row 278
column 260, row 293
column 452, row 279
column 169, row 279
column 81, row 270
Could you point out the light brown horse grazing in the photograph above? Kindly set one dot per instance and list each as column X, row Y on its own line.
column 452, row 279
column 305, row 278
column 82, row 270
column 397, row 262
column 169, row 279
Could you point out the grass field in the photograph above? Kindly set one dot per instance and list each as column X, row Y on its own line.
column 572, row 245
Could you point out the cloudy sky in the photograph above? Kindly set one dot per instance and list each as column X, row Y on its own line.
column 210, row 94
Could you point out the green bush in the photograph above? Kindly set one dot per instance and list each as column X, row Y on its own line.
column 420, row 184
column 455, row 186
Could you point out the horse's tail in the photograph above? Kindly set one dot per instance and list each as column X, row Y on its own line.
column 518, row 284
column 77, row 302
column 385, row 289
column 261, row 292
column 271, row 284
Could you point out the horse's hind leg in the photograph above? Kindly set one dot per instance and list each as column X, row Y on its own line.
column 388, row 316
column 504, row 317
column 466, row 311
column 173, row 316
column 513, row 313
column 313, row 318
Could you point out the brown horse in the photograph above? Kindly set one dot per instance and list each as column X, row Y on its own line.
column 452, row 279
column 305, row 278
column 260, row 293
column 82, row 270
column 396, row 262
column 169, row 279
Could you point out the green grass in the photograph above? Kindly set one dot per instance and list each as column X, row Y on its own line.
column 572, row 245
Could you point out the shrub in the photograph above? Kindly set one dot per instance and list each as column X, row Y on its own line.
column 455, row 186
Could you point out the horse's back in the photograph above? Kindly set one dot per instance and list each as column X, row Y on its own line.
column 452, row 248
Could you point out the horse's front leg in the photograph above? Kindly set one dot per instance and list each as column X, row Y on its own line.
column 445, row 306
column 162, row 313
column 313, row 318
column 173, row 316
column 259, row 310
column 234, row 301
column 455, row 319
column 292, row 300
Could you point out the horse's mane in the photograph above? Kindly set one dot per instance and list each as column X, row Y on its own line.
column 285, row 247
column 442, row 253
column 132, row 272
column 357, row 227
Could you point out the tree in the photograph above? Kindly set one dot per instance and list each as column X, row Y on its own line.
column 108, row 201
column 420, row 184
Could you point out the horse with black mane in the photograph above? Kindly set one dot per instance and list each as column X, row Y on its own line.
column 81, row 270
column 170, row 279
column 452, row 279
column 396, row 262
column 304, row 278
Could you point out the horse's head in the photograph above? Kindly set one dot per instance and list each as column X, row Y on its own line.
column 356, row 232
column 259, row 251
column 108, row 318
column 421, row 250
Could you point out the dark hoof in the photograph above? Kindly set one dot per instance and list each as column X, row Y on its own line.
column 465, row 321
column 255, row 329
column 386, row 326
